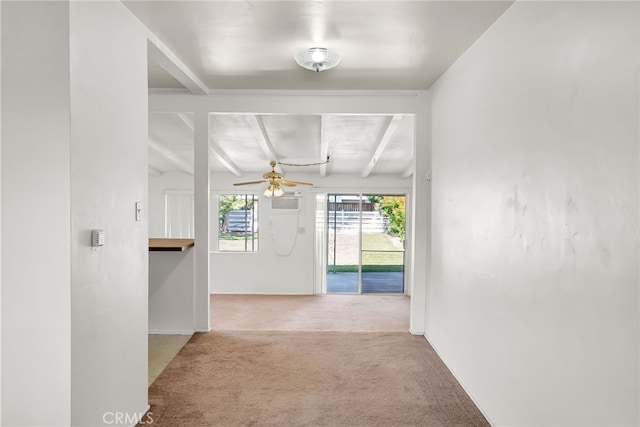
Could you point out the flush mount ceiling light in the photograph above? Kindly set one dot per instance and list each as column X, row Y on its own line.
column 317, row 59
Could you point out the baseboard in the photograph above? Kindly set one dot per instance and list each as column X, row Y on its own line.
column 459, row 382
column 417, row 332
column 261, row 293
column 171, row 331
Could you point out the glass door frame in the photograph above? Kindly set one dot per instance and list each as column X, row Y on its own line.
column 328, row 230
column 326, row 265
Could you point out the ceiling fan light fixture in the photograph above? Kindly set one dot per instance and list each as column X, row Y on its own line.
column 317, row 59
column 273, row 190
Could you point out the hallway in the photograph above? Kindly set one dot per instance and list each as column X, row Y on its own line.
column 340, row 360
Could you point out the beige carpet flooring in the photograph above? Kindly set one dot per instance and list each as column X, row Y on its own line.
column 262, row 378
column 310, row 313
column 296, row 361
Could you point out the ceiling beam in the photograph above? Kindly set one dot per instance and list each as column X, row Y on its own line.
column 172, row 157
column 186, row 118
column 154, row 171
column 385, row 136
column 168, row 61
column 217, row 153
column 214, row 151
column 408, row 172
column 261, row 136
column 324, row 146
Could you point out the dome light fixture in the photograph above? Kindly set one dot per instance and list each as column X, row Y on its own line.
column 317, row 59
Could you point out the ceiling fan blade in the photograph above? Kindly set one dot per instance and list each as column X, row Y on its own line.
column 250, row 182
column 294, row 183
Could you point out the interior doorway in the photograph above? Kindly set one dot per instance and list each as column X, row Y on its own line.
column 365, row 237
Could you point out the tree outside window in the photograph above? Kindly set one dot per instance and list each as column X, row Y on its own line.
column 238, row 222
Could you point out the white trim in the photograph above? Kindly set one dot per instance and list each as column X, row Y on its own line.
column 303, row 92
column 265, row 293
column 298, row 103
column 171, row 331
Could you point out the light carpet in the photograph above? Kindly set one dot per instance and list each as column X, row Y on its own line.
column 272, row 378
column 371, row 313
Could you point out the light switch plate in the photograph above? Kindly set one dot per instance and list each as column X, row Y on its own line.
column 138, row 211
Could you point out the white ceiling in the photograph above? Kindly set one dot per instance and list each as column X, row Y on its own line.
column 386, row 45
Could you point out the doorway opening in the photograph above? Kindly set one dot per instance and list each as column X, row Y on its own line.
column 365, row 238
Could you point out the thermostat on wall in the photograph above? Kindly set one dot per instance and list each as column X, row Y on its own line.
column 97, row 237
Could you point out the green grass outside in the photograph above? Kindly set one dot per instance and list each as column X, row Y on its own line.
column 382, row 258
column 378, row 242
column 236, row 236
column 365, row 268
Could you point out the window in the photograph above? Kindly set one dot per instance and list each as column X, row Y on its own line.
column 238, row 222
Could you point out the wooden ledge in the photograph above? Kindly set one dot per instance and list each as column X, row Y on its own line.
column 177, row 245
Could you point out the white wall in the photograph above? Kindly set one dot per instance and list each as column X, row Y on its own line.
column 74, row 320
column 36, row 324
column 534, row 295
column 262, row 272
column 0, row 213
column 171, row 292
column 108, row 175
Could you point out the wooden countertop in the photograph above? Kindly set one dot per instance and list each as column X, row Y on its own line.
column 162, row 244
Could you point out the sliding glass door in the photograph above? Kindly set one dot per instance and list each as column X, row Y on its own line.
column 365, row 243
column 382, row 237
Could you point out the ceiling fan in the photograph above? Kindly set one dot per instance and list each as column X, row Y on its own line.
column 275, row 180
